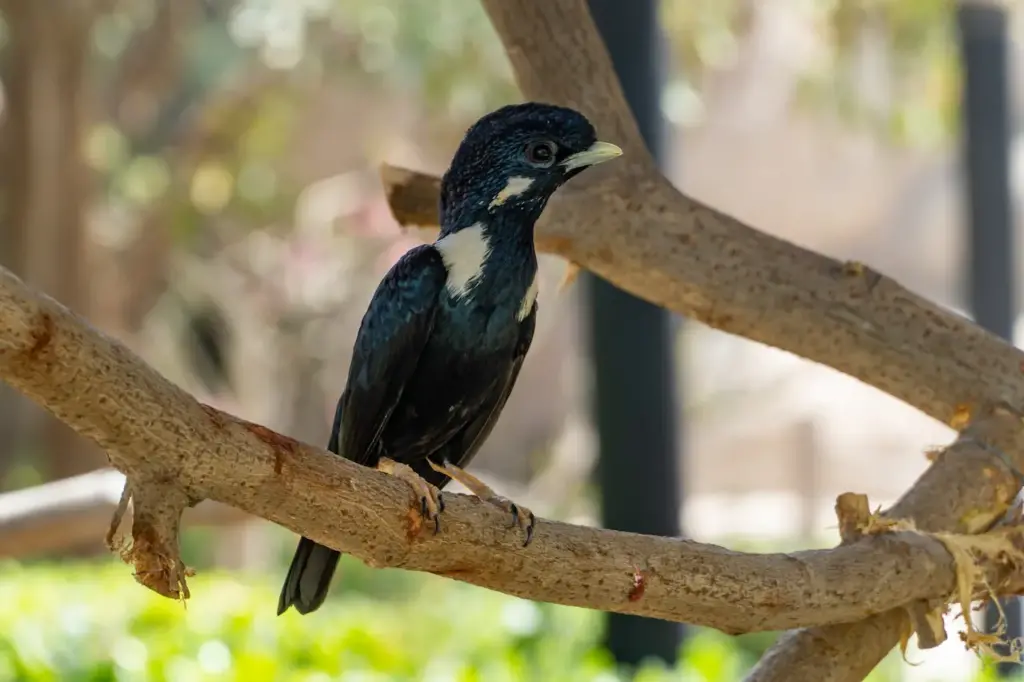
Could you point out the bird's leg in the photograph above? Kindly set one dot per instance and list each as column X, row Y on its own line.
column 431, row 502
column 521, row 516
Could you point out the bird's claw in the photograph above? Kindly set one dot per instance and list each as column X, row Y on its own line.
column 432, row 512
column 522, row 517
column 431, row 502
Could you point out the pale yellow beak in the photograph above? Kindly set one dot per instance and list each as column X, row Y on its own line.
column 599, row 152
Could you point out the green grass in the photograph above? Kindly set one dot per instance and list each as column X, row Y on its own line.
column 92, row 623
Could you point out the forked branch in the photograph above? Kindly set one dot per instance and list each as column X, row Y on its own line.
column 627, row 224
column 630, row 226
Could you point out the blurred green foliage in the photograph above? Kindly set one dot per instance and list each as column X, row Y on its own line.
column 444, row 55
column 441, row 53
column 907, row 47
column 92, row 623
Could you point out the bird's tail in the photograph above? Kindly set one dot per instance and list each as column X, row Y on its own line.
column 309, row 577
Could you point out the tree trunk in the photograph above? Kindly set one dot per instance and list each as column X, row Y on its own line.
column 45, row 192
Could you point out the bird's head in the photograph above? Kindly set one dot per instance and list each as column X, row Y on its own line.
column 512, row 160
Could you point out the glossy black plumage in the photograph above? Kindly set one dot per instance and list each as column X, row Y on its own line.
column 446, row 332
column 430, row 388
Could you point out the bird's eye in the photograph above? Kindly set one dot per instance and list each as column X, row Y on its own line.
column 541, row 154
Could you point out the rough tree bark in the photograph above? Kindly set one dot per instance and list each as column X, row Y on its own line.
column 629, row 225
column 176, row 452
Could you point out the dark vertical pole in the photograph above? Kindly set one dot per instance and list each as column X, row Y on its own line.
column 986, row 138
column 635, row 405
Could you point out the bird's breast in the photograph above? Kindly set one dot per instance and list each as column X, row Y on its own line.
column 474, row 328
column 491, row 273
column 466, row 362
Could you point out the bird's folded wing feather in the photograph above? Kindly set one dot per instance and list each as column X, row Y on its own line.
column 391, row 338
column 464, row 446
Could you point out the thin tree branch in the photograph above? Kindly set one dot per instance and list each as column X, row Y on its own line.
column 71, row 512
column 176, row 452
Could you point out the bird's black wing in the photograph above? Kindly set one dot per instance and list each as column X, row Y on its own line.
column 391, row 338
column 467, row 442
column 394, row 330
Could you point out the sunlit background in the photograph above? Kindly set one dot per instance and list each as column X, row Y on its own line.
column 199, row 178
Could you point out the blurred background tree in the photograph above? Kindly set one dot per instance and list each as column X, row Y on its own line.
column 198, row 178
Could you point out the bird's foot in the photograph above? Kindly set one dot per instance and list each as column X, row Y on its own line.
column 431, row 502
column 521, row 516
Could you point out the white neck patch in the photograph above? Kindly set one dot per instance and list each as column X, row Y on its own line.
column 516, row 185
column 464, row 253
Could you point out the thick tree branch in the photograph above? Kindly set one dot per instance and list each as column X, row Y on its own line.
column 627, row 224
column 175, row 452
column 961, row 492
column 630, row 226
column 642, row 235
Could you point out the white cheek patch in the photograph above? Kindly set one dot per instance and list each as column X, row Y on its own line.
column 516, row 185
column 464, row 253
column 528, row 301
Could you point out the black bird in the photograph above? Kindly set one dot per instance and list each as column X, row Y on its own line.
column 446, row 332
